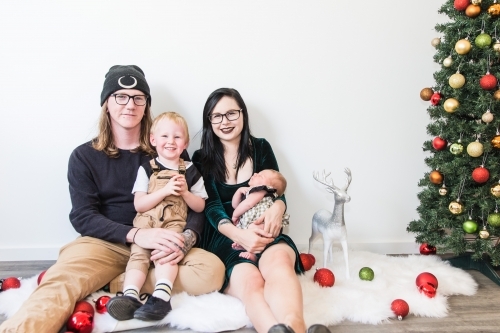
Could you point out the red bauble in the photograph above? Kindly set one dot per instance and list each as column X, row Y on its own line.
column 80, row 322
column 435, row 98
column 312, row 258
column 480, row 175
column 84, row 306
column 40, row 277
column 400, row 308
column 461, row 4
column 488, row 82
column 100, row 304
column 427, row 249
column 427, row 284
column 439, row 143
column 10, row 283
column 324, row 277
column 306, row 261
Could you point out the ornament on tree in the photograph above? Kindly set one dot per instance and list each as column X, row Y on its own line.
column 447, row 62
column 494, row 219
column 456, row 207
column 324, row 277
column 451, row 105
column 84, row 306
column 495, row 141
column 426, row 94
column 427, row 284
column 461, row 5
column 496, row 95
column 484, row 234
column 483, row 40
column 366, row 274
column 457, row 80
column 100, row 304
column 40, row 277
column 435, row 98
column 436, row 177
column 487, row 117
column 439, row 143
column 10, row 283
column 400, row 308
column 496, row 46
column 469, row 226
column 495, row 190
column 443, row 190
column 472, row 10
column 476, row 2
column 80, row 322
column 462, row 46
column 494, row 10
column 488, row 81
column 436, row 41
column 426, row 249
column 480, row 174
column 457, row 148
column 306, row 261
column 475, row 148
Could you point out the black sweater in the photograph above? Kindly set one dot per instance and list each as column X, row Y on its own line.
column 101, row 193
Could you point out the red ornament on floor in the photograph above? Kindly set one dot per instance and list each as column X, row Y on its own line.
column 100, row 304
column 40, row 277
column 306, row 261
column 324, row 277
column 10, row 283
column 80, row 322
column 427, row 284
column 84, row 306
column 427, row 249
column 400, row 308
column 312, row 258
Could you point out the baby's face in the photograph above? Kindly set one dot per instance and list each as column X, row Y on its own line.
column 258, row 179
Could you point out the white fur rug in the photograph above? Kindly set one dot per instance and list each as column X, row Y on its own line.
column 353, row 299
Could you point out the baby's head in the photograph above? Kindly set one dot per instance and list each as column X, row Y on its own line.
column 270, row 178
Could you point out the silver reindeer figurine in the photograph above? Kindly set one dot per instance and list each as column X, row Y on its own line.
column 332, row 225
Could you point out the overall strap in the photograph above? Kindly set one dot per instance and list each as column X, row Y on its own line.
column 154, row 167
column 182, row 167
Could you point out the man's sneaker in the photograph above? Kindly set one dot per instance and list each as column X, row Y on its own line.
column 280, row 328
column 154, row 309
column 122, row 307
column 318, row 328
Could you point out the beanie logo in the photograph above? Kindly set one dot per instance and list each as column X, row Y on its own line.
column 129, row 86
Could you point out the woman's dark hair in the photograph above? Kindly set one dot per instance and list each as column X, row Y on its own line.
column 212, row 150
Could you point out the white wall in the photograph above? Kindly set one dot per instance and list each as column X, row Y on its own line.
column 331, row 84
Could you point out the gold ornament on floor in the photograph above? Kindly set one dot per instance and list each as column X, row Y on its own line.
column 462, row 46
column 494, row 10
column 456, row 207
column 495, row 190
column 487, row 117
column 436, row 41
column 484, row 234
column 447, row 62
column 475, row 149
column 472, row 10
column 451, row 105
column 457, row 80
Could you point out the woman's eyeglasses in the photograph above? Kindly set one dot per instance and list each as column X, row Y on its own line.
column 216, row 118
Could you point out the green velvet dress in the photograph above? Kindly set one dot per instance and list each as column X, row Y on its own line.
column 218, row 206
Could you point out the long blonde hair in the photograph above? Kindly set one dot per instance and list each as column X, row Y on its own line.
column 104, row 139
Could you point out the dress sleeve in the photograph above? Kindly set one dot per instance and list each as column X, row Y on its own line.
column 85, row 215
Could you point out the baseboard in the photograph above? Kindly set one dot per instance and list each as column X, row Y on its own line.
column 51, row 253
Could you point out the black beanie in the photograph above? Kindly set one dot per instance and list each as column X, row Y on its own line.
column 124, row 77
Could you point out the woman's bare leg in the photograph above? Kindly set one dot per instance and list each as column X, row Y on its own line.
column 282, row 289
column 246, row 283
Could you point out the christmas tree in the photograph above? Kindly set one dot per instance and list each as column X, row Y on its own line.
column 460, row 196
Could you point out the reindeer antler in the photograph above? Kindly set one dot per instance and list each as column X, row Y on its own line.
column 349, row 178
column 323, row 180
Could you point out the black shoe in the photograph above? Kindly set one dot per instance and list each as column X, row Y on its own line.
column 280, row 328
column 318, row 328
column 122, row 307
column 154, row 309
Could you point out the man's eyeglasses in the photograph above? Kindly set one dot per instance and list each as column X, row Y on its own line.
column 230, row 115
column 122, row 99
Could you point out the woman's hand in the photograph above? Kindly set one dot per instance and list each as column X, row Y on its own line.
column 272, row 218
column 253, row 240
column 166, row 241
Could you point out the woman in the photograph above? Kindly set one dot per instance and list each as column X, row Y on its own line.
column 229, row 156
column 101, row 174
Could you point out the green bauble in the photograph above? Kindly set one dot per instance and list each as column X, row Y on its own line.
column 470, row 226
column 494, row 219
column 456, row 148
column 483, row 40
column 366, row 273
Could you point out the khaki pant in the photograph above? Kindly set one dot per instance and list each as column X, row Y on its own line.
column 87, row 264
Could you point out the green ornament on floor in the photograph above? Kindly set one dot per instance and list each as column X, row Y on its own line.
column 366, row 273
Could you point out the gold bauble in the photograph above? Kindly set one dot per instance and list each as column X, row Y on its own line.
column 451, row 105
column 462, row 46
column 496, row 46
column 484, row 234
column 472, row 10
column 476, row 2
column 456, row 81
column 496, row 95
column 475, row 149
column 443, row 190
column 426, row 94
column 436, row 41
column 494, row 10
column 487, row 117
column 495, row 190
column 447, row 62
column 436, row 177
column 495, row 142
column 456, row 207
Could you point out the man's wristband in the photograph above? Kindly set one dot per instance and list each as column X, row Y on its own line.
column 133, row 238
